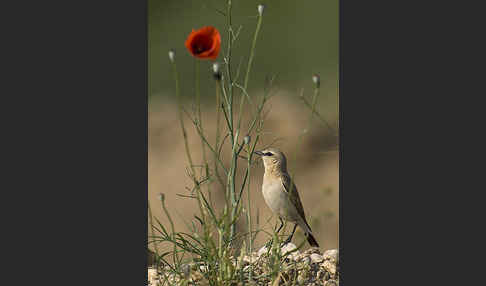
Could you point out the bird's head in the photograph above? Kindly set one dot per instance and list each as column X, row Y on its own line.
column 273, row 159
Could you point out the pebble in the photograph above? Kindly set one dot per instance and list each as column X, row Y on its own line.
column 330, row 283
column 203, row 268
column 289, row 247
column 329, row 266
column 186, row 270
column 306, row 260
column 152, row 276
column 316, row 258
column 310, row 267
column 250, row 258
column 262, row 250
column 332, row 255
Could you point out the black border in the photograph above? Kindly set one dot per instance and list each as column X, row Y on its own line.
column 75, row 109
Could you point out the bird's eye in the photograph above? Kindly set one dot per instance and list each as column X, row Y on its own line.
column 269, row 154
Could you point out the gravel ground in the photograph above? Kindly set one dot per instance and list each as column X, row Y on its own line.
column 310, row 267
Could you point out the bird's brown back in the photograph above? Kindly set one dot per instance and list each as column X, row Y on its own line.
column 291, row 189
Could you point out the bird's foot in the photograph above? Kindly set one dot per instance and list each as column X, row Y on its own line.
column 286, row 241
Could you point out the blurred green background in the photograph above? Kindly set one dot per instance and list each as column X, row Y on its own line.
column 298, row 38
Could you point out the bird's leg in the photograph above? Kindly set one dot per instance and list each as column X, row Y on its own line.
column 281, row 224
column 289, row 239
column 278, row 230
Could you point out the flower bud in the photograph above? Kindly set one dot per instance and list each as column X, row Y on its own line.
column 161, row 197
column 171, row 55
column 216, row 71
column 247, row 139
column 261, row 7
column 317, row 80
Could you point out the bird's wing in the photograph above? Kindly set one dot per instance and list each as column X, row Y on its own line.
column 291, row 189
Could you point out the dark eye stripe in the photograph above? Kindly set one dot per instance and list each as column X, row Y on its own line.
column 268, row 154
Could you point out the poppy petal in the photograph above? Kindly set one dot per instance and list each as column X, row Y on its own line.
column 204, row 43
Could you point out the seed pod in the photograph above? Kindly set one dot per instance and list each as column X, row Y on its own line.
column 261, row 7
column 171, row 55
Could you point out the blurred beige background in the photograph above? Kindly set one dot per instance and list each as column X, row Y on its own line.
column 313, row 162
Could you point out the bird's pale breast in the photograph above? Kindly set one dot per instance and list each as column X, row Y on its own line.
column 277, row 199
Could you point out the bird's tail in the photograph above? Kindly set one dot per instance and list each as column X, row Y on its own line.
column 308, row 233
column 312, row 241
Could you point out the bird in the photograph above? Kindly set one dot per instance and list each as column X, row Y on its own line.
column 281, row 194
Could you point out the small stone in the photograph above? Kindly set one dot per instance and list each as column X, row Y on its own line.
column 331, row 283
column 186, row 270
column 329, row 266
column 203, row 268
column 152, row 276
column 316, row 258
column 248, row 259
column 300, row 279
column 262, row 250
column 332, row 254
column 288, row 247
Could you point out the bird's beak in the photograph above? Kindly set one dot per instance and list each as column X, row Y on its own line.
column 258, row 153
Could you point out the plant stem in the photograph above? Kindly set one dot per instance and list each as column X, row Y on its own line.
column 199, row 121
column 153, row 235
column 199, row 117
column 179, row 115
column 232, row 173
column 313, row 107
column 184, row 134
column 317, row 114
column 218, row 123
column 252, row 51
column 175, row 256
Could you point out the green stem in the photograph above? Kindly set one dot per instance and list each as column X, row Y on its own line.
column 184, row 133
column 248, row 69
column 313, row 106
column 153, row 235
column 218, row 123
column 179, row 115
column 175, row 256
column 199, row 117
column 199, row 121
column 252, row 51
column 232, row 173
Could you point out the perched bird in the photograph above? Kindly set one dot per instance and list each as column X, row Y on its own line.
column 281, row 194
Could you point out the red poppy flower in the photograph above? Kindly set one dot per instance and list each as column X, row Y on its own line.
column 204, row 43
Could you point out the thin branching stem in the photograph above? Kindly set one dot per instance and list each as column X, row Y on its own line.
column 218, row 124
column 199, row 117
column 184, row 132
column 153, row 234
column 322, row 120
column 252, row 51
column 209, row 146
